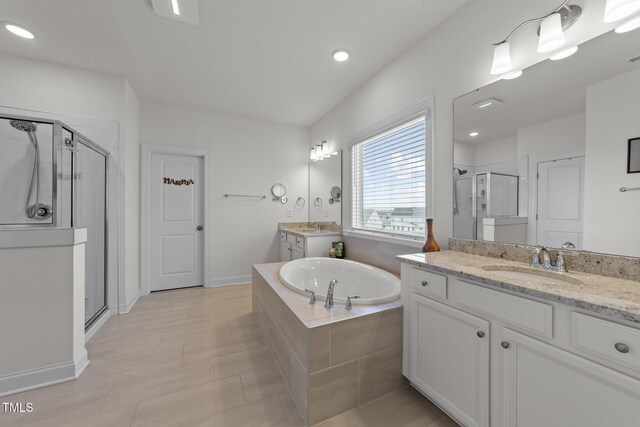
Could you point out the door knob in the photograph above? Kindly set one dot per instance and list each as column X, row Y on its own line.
column 199, row 228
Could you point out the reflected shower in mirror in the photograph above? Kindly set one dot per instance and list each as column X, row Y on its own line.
column 325, row 189
column 540, row 160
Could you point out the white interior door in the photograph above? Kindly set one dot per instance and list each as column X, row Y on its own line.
column 560, row 202
column 176, row 221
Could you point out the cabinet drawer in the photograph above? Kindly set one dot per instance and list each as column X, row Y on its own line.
column 429, row 284
column 291, row 239
column 615, row 343
column 527, row 315
column 300, row 242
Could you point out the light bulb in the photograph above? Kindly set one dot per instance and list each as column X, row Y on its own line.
column 501, row 59
column 564, row 53
column 551, row 34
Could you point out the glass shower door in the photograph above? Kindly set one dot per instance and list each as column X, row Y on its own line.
column 89, row 211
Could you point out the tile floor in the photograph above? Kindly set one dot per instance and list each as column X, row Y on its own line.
column 193, row 357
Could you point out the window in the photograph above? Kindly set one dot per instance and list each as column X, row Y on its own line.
column 389, row 180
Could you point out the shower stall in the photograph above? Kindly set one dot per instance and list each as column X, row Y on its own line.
column 51, row 176
column 479, row 196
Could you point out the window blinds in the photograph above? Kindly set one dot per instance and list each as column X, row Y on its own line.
column 388, row 188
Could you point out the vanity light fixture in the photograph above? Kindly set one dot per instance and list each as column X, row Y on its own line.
column 551, row 31
column 340, row 55
column 616, row 10
column 18, row 31
column 564, row 53
column 551, row 34
column 325, row 150
column 630, row 25
column 176, row 7
column 512, row 75
column 474, row 134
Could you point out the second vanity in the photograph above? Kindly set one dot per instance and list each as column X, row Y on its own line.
column 306, row 240
column 493, row 345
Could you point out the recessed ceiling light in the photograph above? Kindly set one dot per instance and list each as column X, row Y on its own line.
column 19, row 31
column 340, row 55
column 176, row 7
column 564, row 54
column 630, row 25
column 474, row 133
column 513, row 75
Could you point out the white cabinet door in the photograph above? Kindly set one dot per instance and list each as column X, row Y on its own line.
column 285, row 252
column 449, row 359
column 547, row 386
column 296, row 253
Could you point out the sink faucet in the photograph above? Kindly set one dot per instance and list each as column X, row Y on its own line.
column 539, row 252
column 328, row 302
column 317, row 226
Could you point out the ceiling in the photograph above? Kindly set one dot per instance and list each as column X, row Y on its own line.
column 547, row 90
column 267, row 59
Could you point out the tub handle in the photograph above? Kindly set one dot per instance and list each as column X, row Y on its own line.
column 312, row 299
column 349, row 305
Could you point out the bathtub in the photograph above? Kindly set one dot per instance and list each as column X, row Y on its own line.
column 373, row 285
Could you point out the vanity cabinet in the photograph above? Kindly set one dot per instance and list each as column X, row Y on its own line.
column 293, row 246
column 490, row 357
column 450, row 358
column 546, row 386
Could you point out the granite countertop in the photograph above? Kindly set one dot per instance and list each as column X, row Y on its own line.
column 308, row 232
column 609, row 296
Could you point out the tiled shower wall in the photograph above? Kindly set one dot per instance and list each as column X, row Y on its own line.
column 16, row 166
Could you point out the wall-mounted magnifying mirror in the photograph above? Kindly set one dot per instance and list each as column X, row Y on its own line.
column 279, row 190
column 540, row 159
column 325, row 185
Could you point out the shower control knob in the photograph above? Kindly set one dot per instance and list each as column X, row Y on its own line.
column 199, row 228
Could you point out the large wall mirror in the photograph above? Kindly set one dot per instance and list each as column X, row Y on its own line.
column 325, row 189
column 543, row 159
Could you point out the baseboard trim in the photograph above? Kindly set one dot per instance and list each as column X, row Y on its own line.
column 36, row 378
column 226, row 281
column 98, row 324
column 81, row 363
column 125, row 308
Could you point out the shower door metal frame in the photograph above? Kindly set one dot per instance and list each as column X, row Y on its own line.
column 474, row 193
column 79, row 139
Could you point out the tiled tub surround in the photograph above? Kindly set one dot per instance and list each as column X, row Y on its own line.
column 622, row 267
column 332, row 360
column 609, row 296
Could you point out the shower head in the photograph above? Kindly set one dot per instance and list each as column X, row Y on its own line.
column 460, row 171
column 23, row 126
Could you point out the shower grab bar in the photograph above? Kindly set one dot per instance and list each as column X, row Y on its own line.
column 246, row 195
column 625, row 189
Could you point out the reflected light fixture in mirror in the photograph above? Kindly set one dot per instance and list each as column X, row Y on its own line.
column 176, row 7
column 19, row 31
column 616, row 10
column 564, row 53
column 474, row 134
column 630, row 25
column 512, row 75
column 551, row 34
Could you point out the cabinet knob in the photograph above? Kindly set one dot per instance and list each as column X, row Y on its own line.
column 505, row 344
column 480, row 334
column 621, row 347
column 425, row 283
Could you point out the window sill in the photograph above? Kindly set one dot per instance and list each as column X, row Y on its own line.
column 382, row 238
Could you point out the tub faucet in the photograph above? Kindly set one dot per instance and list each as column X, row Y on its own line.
column 328, row 302
column 349, row 305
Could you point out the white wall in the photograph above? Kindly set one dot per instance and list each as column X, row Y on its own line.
column 611, row 218
column 464, row 154
column 497, row 151
column 43, row 86
column 554, row 139
column 450, row 61
column 246, row 157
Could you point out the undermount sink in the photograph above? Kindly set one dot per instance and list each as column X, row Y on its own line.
column 535, row 275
